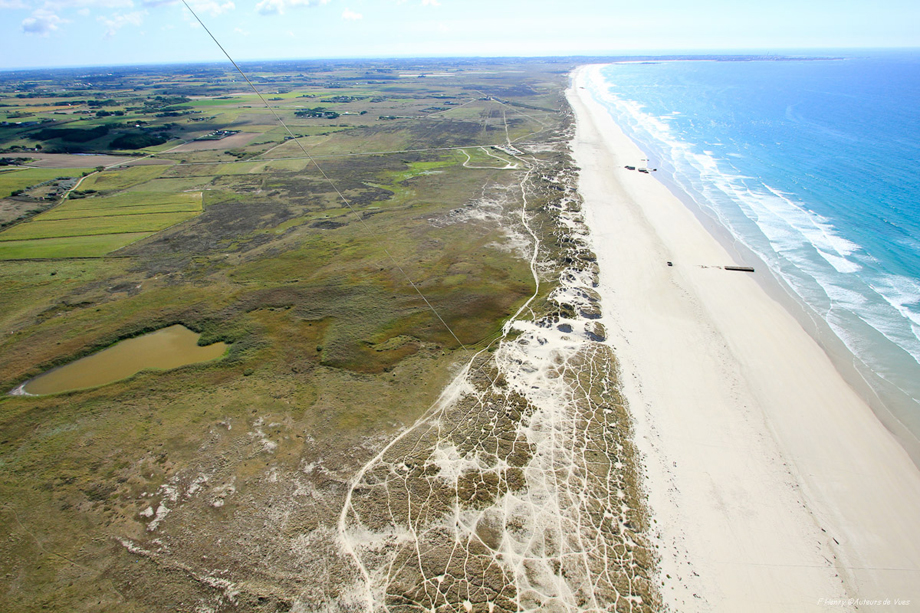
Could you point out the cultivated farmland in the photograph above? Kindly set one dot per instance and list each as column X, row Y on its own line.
column 93, row 227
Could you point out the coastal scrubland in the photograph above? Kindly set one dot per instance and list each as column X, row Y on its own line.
column 223, row 485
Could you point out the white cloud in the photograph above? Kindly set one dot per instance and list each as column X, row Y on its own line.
column 241, row 31
column 72, row 4
column 46, row 18
column 277, row 7
column 212, row 7
column 351, row 15
column 430, row 3
column 41, row 23
column 58, row 7
column 118, row 21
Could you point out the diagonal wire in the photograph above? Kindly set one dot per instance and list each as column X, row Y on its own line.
column 325, row 176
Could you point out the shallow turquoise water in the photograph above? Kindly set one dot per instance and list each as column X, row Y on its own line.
column 815, row 166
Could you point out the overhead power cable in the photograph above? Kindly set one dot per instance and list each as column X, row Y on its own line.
column 325, row 176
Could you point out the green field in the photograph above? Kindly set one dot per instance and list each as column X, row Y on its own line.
column 481, row 157
column 174, row 186
column 69, row 247
column 115, row 180
column 133, row 199
column 12, row 180
column 211, row 170
column 294, row 165
column 92, row 227
column 61, row 213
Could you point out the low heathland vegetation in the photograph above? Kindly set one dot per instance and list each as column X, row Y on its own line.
column 218, row 485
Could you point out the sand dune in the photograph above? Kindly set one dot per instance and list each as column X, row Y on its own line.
column 774, row 486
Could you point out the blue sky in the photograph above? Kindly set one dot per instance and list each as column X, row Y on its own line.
column 37, row 33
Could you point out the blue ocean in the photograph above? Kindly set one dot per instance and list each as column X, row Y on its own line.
column 814, row 165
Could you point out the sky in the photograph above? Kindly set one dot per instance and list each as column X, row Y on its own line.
column 52, row 33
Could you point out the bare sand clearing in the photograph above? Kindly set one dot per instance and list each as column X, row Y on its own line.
column 773, row 484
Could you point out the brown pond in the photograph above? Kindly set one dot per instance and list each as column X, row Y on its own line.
column 164, row 349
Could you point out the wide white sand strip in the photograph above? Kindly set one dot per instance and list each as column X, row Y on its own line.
column 773, row 485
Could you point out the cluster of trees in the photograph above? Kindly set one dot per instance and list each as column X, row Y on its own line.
column 160, row 102
column 77, row 194
column 129, row 140
column 343, row 99
column 17, row 161
column 138, row 141
column 72, row 135
column 317, row 112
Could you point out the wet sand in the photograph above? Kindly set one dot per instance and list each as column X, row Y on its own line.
column 773, row 484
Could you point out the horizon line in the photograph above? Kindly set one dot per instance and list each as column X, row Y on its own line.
column 650, row 53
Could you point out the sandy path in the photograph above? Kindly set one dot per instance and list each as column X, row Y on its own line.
column 774, row 486
column 514, row 491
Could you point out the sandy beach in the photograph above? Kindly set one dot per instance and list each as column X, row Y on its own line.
column 773, row 485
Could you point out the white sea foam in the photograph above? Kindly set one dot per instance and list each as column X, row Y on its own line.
column 902, row 294
column 801, row 246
